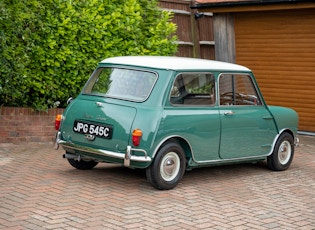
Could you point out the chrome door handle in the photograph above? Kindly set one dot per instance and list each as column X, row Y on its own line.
column 228, row 113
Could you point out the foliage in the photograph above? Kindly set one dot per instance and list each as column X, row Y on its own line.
column 49, row 48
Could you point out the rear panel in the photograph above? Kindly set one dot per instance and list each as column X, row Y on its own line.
column 91, row 121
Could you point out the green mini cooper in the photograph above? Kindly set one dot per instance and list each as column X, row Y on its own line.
column 171, row 114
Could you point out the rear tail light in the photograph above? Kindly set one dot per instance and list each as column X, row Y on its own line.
column 57, row 121
column 136, row 137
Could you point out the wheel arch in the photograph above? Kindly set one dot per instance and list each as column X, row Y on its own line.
column 287, row 130
column 178, row 139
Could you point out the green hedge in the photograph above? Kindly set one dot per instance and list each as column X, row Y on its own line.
column 48, row 48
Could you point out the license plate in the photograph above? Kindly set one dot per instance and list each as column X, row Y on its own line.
column 103, row 131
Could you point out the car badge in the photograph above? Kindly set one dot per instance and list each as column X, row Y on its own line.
column 90, row 137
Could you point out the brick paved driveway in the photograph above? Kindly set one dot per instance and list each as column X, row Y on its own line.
column 40, row 190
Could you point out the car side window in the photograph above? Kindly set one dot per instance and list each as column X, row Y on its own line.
column 194, row 89
column 237, row 89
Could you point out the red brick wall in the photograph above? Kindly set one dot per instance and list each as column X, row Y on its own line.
column 26, row 125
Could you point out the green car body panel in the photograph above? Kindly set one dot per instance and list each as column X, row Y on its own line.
column 219, row 133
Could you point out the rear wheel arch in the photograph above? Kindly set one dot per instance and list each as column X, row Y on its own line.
column 179, row 140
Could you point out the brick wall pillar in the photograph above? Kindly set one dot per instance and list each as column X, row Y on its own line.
column 27, row 125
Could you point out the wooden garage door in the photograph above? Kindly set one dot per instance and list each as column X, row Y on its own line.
column 279, row 46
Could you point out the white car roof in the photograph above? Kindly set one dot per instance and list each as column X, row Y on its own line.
column 174, row 63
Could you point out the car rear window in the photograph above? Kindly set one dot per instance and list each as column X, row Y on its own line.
column 127, row 84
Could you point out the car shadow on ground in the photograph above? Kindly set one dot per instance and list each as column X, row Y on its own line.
column 122, row 176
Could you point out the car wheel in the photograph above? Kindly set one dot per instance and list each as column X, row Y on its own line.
column 168, row 167
column 283, row 152
column 82, row 164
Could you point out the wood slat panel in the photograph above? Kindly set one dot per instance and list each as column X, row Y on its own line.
column 191, row 32
column 279, row 46
column 183, row 23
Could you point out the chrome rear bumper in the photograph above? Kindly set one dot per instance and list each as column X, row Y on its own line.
column 127, row 156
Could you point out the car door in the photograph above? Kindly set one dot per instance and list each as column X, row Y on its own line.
column 247, row 127
column 192, row 114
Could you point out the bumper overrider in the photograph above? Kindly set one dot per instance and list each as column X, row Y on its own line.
column 127, row 156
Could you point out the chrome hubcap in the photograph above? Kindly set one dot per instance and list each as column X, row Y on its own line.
column 284, row 152
column 170, row 166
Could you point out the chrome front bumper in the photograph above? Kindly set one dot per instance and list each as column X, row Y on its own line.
column 127, row 156
column 296, row 141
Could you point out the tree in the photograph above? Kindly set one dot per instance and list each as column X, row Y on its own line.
column 49, row 48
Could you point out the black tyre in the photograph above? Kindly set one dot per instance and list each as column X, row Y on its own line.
column 82, row 164
column 283, row 153
column 168, row 167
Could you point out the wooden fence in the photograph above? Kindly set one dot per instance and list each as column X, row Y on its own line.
column 195, row 30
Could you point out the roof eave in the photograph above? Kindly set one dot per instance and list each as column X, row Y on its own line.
column 234, row 6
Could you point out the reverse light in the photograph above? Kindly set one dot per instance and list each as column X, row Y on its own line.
column 136, row 137
column 57, row 121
